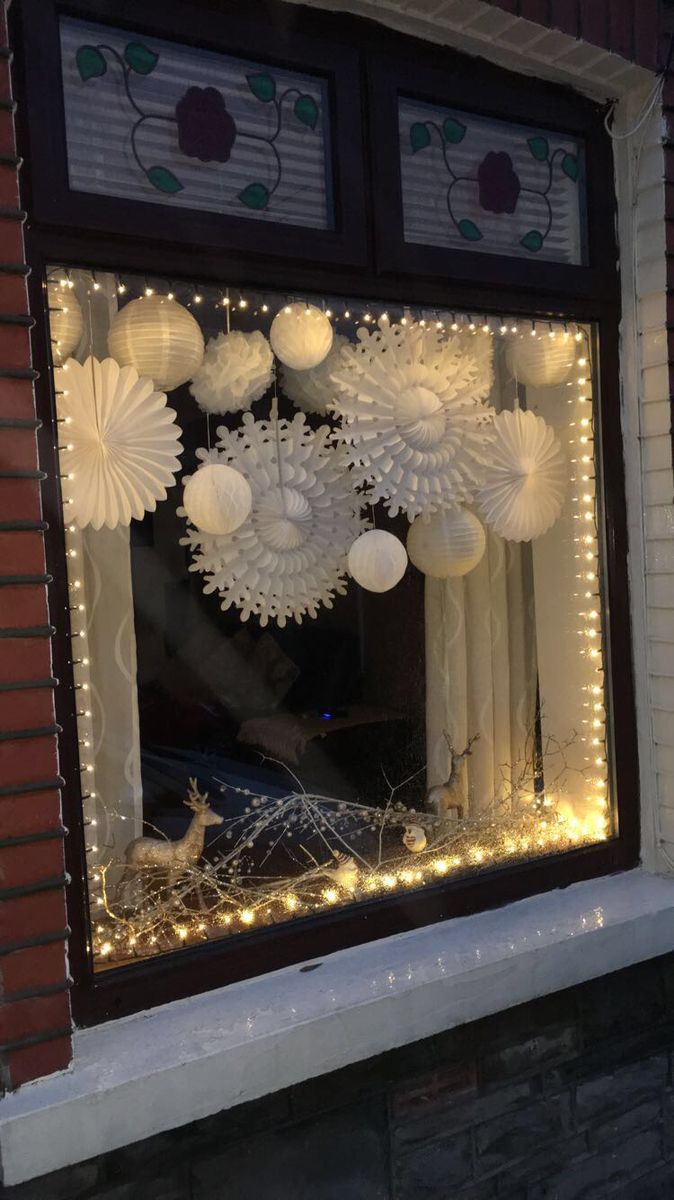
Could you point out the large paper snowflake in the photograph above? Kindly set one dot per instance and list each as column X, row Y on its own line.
column 289, row 556
column 120, row 444
column 413, row 419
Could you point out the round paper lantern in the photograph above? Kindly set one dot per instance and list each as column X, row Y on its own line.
column 541, row 361
column 301, row 336
column 377, row 560
column 217, row 499
column 159, row 338
column 446, row 544
column 526, row 480
column 66, row 323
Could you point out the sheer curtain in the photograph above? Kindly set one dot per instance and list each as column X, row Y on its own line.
column 481, row 668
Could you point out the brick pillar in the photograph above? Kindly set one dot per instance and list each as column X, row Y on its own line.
column 34, row 1001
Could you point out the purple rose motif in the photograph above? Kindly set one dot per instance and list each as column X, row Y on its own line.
column 205, row 129
column 498, row 183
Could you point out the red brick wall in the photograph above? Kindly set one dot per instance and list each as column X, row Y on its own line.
column 34, row 1002
column 34, row 1009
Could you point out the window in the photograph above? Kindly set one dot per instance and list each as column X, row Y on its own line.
column 361, row 650
column 336, row 512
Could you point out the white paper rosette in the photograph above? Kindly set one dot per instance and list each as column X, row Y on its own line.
column 526, row 480
column 120, row 442
column 289, row 555
column 313, row 390
column 412, row 418
column 236, row 370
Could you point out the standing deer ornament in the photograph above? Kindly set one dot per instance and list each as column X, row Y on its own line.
column 445, row 798
column 149, row 854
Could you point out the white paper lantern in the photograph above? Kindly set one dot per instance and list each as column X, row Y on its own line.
column 159, row 338
column 526, row 480
column 446, row 544
column 541, row 361
column 66, row 323
column 235, row 372
column 217, row 499
column 121, row 442
column 289, row 556
column 314, row 390
column 416, row 430
column 301, row 336
column 377, row 560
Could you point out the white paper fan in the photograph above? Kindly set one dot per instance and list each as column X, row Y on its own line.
column 313, row 390
column 121, row 443
column 416, row 430
column 236, row 370
column 526, row 480
column 289, row 555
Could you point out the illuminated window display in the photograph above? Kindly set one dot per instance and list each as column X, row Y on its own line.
column 336, row 599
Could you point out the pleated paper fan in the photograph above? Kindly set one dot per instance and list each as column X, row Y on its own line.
column 416, row 431
column 526, row 480
column 289, row 556
column 121, row 443
column 313, row 390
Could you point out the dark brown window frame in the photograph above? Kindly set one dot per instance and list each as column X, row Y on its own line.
column 594, row 296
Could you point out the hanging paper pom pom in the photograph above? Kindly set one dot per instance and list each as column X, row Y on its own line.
column 446, row 544
column 66, row 323
column 235, row 372
column 377, row 560
column 289, row 555
column 313, row 390
column 416, row 431
column 541, row 361
column 217, row 499
column 159, row 338
column 301, row 336
column 123, row 445
column 526, row 481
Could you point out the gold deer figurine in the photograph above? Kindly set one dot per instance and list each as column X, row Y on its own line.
column 445, row 798
column 157, row 854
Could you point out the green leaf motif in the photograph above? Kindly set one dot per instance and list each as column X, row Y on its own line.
column 533, row 240
column 306, row 110
column 469, row 230
column 140, row 58
column 90, row 63
column 420, row 138
column 256, row 195
column 570, row 166
column 453, row 131
column 164, row 180
column 539, row 147
column 263, row 87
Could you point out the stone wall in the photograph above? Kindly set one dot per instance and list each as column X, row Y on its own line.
column 570, row 1097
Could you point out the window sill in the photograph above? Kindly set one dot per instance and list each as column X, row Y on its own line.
column 160, row 1069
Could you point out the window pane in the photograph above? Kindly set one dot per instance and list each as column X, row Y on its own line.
column 264, row 734
column 474, row 183
column 156, row 121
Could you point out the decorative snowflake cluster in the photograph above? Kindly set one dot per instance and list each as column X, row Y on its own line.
column 289, row 556
column 412, row 417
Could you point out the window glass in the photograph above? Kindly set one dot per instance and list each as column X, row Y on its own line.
column 335, row 599
column 474, row 183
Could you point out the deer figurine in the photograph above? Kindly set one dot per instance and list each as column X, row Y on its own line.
column 445, row 798
column 151, row 854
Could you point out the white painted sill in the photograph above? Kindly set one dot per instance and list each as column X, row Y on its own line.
column 162, row 1068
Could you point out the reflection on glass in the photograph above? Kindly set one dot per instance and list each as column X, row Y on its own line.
column 280, row 713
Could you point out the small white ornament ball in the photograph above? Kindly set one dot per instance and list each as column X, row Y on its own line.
column 217, row 499
column 66, row 323
column 377, row 560
column 301, row 336
column 158, row 337
column 448, row 543
column 414, row 839
column 541, row 361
